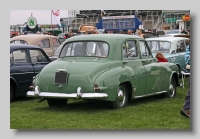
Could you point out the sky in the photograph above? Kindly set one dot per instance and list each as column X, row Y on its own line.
column 42, row 16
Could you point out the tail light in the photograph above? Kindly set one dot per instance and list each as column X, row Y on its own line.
column 96, row 87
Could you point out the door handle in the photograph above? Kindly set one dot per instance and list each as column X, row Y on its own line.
column 125, row 62
column 173, row 58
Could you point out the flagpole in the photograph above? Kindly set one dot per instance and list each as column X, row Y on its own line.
column 51, row 20
column 68, row 20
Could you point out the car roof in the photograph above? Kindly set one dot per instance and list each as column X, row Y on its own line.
column 104, row 37
column 23, row 46
column 32, row 38
column 167, row 38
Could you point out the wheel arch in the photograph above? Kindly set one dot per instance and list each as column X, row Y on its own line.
column 129, row 89
column 175, row 76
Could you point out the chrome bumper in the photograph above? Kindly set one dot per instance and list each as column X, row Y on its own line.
column 79, row 94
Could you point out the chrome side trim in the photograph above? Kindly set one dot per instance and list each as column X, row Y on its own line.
column 64, row 70
column 150, row 94
column 21, row 73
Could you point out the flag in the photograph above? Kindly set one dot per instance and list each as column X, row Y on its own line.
column 56, row 15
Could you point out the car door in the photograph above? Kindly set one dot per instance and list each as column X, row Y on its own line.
column 39, row 59
column 134, row 66
column 152, row 70
column 181, row 50
column 21, row 69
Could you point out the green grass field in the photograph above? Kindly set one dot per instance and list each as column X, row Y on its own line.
column 141, row 114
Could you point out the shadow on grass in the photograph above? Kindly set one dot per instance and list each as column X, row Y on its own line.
column 78, row 105
column 92, row 105
column 22, row 99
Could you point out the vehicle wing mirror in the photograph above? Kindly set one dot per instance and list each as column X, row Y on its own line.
column 34, row 61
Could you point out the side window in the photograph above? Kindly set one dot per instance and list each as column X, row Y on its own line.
column 144, row 50
column 125, row 50
column 44, row 43
column 153, row 45
column 37, row 56
column 18, row 42
column 180, row 46
column 55, row 42
column 130, row 49
column 18, row 56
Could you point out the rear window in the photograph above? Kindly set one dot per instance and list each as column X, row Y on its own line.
column 18, row 42
column 85, row 49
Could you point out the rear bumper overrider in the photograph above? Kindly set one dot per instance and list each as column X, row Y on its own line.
column 79, row 94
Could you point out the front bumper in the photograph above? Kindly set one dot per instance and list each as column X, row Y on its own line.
column 79, row 94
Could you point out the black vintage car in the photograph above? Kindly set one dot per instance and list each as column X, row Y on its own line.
column 25, row 62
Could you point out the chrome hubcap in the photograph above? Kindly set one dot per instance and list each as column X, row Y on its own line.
column 121, row 97
column 171, row 90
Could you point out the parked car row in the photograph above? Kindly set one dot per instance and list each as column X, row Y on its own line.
column 48, row 43
column 173, row 48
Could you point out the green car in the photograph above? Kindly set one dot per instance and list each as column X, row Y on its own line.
column 107, row 67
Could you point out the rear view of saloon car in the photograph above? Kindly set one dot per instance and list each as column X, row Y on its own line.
column 109, row 67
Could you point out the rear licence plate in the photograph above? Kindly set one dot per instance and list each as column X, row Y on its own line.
column 61, row 78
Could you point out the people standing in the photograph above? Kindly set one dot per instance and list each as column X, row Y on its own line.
column 184, row 32
column 187, row 57
column 93, row 31
column 66, row 35
column 71, row 34
column 186, row 106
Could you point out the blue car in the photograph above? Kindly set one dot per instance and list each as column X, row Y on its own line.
column 26, row 61
column 173, row 48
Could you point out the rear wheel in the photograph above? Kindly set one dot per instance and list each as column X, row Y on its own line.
column 11, row 94
column 172, row 89
column 56, row 102
column 122, row 97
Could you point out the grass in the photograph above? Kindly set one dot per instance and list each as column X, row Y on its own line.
column 141, row 114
